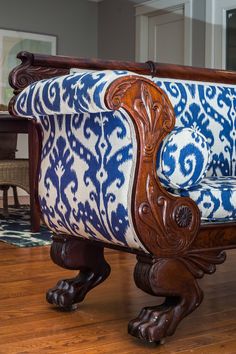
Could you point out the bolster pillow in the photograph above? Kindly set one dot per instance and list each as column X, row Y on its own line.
column 183, row 158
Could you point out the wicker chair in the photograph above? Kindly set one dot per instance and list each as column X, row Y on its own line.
column 13, row 172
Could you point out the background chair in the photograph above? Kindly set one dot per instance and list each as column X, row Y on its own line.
column 13, row 172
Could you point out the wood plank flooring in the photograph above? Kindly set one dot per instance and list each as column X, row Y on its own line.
column 29, row 325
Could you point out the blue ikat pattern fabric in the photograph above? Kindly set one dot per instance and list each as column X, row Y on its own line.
column 215, row 197
column 88, row 157
column 89, row 152
column 69, row 94
column 183, row 158
column 86, row 176
column 211, row 110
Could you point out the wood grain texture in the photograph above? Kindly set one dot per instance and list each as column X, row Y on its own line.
column 166, row 224
column 74, row 253
column 35, row 147
column 35, row 67
column 29, row 325
column 60, row 65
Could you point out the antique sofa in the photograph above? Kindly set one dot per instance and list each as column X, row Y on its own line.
column 138, row 157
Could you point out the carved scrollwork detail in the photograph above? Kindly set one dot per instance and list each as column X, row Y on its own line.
column 150, row 113
column 167, row 225
column 203, row 262
column 26, row 73
column 120, row 92
column 162, row 212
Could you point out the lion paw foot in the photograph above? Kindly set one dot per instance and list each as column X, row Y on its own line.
column 66, row 294
column 153, row 323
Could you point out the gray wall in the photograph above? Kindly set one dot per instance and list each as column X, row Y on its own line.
column 89, row 29
column 73, row 21
column 116, row 30
column 199, row 27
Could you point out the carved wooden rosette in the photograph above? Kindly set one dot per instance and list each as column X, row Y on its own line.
column 166, row 224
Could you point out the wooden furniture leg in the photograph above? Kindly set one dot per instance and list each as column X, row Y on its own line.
column 33, row 143
column 174, row 279
column 76, row 254
column 5, row 200
column 16, row 200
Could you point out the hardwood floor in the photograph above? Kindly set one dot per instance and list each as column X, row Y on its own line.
column 29, row 325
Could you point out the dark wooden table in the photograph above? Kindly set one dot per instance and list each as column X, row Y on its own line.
column 9, row 124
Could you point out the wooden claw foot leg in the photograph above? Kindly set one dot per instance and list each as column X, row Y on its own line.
column 73, row 253
column 169, row 278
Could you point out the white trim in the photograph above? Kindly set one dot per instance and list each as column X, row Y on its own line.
column 215, row 53
column 210, row 38
column 146, row 9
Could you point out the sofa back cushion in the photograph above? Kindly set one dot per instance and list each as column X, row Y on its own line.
column 211, row 110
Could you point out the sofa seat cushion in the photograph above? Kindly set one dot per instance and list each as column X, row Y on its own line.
column 215, row 197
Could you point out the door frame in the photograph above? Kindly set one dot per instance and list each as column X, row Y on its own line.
column 144, row 10
column 215, row 56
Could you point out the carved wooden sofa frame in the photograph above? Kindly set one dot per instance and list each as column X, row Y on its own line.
column 181, row 249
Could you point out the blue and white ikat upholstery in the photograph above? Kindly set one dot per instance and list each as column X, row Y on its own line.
column 211, row 110
column 89, row 153
column 74, row 93
column 215, row 197
column 183, row 158
column 88, row 157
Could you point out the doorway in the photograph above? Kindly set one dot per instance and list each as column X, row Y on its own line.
column 166, row 37
column 164, row 31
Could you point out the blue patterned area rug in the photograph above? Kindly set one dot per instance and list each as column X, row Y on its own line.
column 16, row 229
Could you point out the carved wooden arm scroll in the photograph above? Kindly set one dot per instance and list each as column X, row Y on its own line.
column 166, row 224
column 28, row 72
